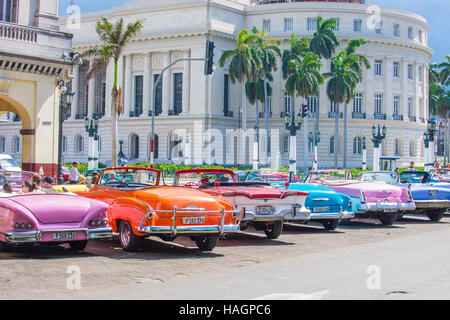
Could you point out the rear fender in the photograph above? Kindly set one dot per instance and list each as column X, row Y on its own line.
column 128, row 209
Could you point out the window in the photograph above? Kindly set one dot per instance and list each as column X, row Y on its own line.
column 338, row 24
column 64, row 144
column 396, row 69
column 134, row 147
column 266, row 25
column 379, row 28
column 357, row 103
column 420, row 73
column 312, row 104
column 79, row 144
column 357, row 25
column 2, row 145
column 410, row 107
column 287, row 104
column 158, row 95
column 285, row 144
column 410, row 33
column 100, row 93
column 16, row 145
column 178, row 93
column 412, row 148
column 396, row 30
column 410, row 72
column 312, row 24
column 226, row 94
column 156, row 147
column 397, row 148
column 6, row 10
column 333, row 107
column 138, row 95
column 378, row 104
column 357, row 145
column 332, row 145
column 421, row 36
column 396, row 105
column 288, row 24
column 378, row 67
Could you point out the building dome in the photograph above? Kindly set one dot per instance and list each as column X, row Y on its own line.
column 288, row 1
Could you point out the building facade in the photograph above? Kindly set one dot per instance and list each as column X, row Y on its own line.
column 33, row 56
column 197, row 118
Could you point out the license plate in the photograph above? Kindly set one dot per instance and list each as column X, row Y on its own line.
column 321, row 209
column 390, row 210
column 65, row 236
column 197, row 220
column 265, row 211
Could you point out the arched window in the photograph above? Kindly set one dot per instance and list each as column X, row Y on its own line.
column 412, row 148
column 64, row 144
column 332, row 145
column 134, row 147
column 16, row 145
column 285, row 144
column 2, row 145
column 357, row 145
column 397, row 147
column 79, row 144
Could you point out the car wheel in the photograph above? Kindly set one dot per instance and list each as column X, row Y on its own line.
column 2, row 246
column 78, row 245
column 273, row 231
column 330, row 225
column 400, row 217
column 128, row 240
column 206, row 243
column 436, row 215
column 388, row 219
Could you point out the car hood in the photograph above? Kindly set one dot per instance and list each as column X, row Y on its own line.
column 56, row 209
column 254, row 192
column 372, row 190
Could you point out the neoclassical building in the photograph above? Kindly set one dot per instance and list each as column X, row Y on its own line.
column 33, row 56
column 197, row 118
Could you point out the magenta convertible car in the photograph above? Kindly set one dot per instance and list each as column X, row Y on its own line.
column 52, row 219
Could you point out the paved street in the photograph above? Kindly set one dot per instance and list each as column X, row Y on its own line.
column 411, row 259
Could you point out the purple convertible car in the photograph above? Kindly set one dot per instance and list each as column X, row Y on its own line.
column 51, row 218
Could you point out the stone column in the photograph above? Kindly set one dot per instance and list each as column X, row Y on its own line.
column 388, row 79
column 91, row 97
column 128, row 87
column 75, row 88
column 109, row 85
column 147, row 85
column 166, row 81
column 186, row 83
column 416, row 100
column 405, row 89
column 369, row 94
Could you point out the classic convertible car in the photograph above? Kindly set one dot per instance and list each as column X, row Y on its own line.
column 51, row 219
column 264, row 207
column 377, row 200
column 140, row 205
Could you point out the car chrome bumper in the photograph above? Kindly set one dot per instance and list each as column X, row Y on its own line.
column 432, row 204
column 390, row 207
column 36, row 236
column 299, row 214
column 184, row 230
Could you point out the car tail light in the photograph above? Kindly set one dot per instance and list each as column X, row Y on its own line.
column 23, row 226
column 363, row 197
column 98, row 223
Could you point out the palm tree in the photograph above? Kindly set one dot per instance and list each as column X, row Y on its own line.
column 346, row 72
column 270, row 51
column 114, row 38
column 445, row 71
column 245, row 62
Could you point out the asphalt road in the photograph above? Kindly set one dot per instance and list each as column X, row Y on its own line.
column 360, row 261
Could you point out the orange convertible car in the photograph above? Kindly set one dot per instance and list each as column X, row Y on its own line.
column 140, row 205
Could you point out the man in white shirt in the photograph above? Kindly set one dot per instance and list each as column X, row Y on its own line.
column 74, row 175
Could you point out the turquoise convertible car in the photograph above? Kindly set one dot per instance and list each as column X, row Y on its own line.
column 327, row 206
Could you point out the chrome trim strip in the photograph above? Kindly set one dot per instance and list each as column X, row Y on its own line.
column 219, row 230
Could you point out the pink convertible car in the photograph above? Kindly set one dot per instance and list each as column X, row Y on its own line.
column 51, row 218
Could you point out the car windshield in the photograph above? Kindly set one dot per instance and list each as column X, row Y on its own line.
column 413, row 177
column 320, row 176
column 8, row 163
column 442, row 172
column 130, row 178
column 14, row 178
column 388, row 177
column 203, row 179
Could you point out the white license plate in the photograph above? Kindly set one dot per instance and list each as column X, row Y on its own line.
column 390, row 210
column 321, row 209
column 265, row 211
column 193, row 220
column 64, row 236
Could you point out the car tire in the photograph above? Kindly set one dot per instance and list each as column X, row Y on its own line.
column 274, row 230
column 330, row 225
column 388, row 219
column 400, row 217
column 206, row 244
column 3, row 246
column 78, row 245
column 436, row 215
column 128, row 240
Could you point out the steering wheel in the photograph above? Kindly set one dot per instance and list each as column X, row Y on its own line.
column 318, row 180
column 192, row 184
column 113, row 179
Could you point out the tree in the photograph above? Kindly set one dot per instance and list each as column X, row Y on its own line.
column 346, row 72
column 244, row 64
column 114, row 38
column 445, row 71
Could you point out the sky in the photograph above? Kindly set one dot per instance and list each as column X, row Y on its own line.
column 437, row 13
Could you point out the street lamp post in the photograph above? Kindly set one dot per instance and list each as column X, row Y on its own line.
column 293, row 125
column 256, row 148
column 92, row 129
column 65, row 102
column 429, row 137
column 315, row 138
column 364, row 154
column 377, row 140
